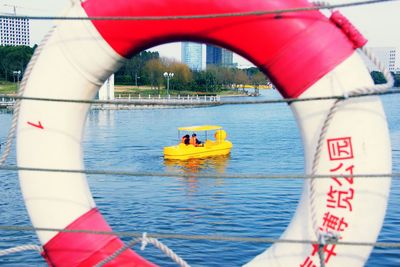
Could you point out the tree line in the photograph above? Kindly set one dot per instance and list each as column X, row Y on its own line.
column 147, row 68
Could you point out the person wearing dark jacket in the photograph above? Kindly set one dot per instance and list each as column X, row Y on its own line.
column 186, row 139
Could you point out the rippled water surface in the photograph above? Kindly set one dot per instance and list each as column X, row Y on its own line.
column 266, row 140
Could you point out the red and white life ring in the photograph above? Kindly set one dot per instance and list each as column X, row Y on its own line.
column 305, row 54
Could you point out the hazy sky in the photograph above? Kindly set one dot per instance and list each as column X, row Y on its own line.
column 380, row 23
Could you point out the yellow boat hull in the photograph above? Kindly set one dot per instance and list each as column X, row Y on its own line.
column 210, row 148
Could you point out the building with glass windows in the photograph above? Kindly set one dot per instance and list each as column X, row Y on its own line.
column 192, row 55
column 388, row 56
column 14, row 31
column 227, row 58
column 213, row 55
column 218, row 56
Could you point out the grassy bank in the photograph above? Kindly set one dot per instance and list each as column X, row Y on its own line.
column 135, row 91
column 8, row 88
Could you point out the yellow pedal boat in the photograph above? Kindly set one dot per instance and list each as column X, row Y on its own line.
column 218, row 146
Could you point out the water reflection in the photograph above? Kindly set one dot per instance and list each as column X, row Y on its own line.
column 192, row 167
column 102, row 118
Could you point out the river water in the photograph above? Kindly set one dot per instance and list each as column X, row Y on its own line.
column 266, row 140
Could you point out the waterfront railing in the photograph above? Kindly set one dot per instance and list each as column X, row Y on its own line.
column 129, row 101
column 171, row 98
column 6, row 102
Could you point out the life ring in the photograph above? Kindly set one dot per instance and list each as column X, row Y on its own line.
column 304, row 54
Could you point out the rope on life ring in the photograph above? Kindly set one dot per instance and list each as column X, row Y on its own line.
column 303, row 53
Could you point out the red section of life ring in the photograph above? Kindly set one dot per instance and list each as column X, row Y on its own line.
column 88, row 249
column 294, row 49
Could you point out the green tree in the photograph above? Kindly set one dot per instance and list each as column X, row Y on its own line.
column 240, row 78
column 396, row 79
column 251, row 71
column 14, row 58
column 154, row 70
column 258, row 79
column 132, row 72
column 378, row 77
column 224, row 78
column 204, row 81
column 182, row 74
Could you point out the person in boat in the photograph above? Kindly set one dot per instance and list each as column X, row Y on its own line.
column 186, row 139
column 194, row 141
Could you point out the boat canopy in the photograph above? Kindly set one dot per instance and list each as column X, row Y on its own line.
column 200, row 128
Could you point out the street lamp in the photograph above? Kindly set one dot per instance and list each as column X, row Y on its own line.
column 17, row 73
column 136, row 77
column 168, row 76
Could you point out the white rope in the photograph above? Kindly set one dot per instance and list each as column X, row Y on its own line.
column 21, row 90
column 118, row 252
column 294, row 176
column 167, row 251
column 206, row 16
column 325, row 238
column 199, row 237
column 155, row 102
column 11, row 132
column 20, row 248
column 145, row 240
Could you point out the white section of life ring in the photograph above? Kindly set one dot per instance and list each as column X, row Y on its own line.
column 53, row 199
column 362, row 119
column 50, row 133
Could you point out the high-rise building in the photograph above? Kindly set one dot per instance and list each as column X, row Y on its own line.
column 192, row 55
column 213, row 55
column 14, row 31
column 218, row 56
column 388, row 56
column 227, row 58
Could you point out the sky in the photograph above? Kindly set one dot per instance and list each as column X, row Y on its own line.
column 379, row 23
